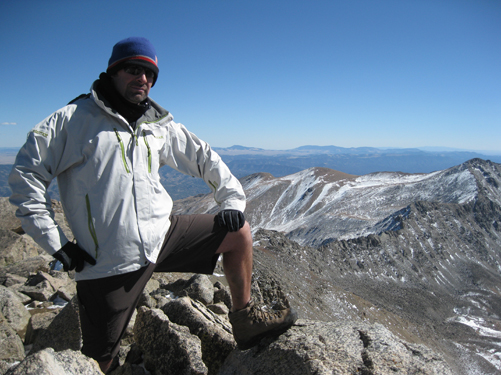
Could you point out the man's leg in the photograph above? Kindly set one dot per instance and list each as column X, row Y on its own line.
column 106, row 306
column 194, row 243
column 250, row 322
column 237, row 263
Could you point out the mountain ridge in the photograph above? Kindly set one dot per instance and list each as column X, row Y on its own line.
column 355, row 205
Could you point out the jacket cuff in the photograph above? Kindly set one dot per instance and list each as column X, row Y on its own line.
column 233, row 205
column 52, row 241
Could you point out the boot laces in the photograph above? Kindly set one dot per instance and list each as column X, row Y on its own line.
column 263, row 314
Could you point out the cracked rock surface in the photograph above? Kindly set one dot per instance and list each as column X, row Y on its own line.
column 313, row 347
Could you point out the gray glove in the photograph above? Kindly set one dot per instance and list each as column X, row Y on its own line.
column 231, row 219
column 73, row 257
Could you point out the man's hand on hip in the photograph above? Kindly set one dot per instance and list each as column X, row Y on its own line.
column 73, row 257
column 231, row 219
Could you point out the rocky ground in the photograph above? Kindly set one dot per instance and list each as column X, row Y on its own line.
column 181, row 325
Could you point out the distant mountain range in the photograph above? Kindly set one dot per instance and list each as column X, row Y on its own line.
column 312, row 149
column 244, row 161
column 358, row 161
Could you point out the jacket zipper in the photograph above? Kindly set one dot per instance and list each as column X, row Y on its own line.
column 123, row 150
column 149, row 151
column 92, row 229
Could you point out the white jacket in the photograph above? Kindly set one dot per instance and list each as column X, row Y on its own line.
column 109, row 183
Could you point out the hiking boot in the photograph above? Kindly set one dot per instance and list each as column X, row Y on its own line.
column 253, row 323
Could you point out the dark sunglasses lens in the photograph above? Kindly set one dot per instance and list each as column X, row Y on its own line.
column 136, row 70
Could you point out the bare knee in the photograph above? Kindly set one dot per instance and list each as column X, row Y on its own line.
column 239, row 240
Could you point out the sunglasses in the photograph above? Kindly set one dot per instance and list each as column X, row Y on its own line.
column 136, row 70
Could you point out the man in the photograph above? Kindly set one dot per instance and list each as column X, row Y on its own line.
column 106, row 148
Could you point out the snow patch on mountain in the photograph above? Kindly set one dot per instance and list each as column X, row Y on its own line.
column 319, row 205
column 313, row 207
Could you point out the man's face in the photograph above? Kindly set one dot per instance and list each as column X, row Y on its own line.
column 133, row 87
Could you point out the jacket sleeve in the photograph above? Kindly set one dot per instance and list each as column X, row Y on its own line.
column 31, row 175
column 190, row 155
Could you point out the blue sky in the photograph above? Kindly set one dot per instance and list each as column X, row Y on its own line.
column 272, row 74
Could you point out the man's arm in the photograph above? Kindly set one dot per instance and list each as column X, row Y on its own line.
column 190, row 155
column 29, row 179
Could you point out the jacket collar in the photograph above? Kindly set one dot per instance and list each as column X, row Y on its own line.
column 154, row 112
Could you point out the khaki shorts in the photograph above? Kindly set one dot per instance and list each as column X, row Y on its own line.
column 107, row 304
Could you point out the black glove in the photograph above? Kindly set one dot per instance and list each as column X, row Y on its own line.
column 231, row 219
column 73, row 257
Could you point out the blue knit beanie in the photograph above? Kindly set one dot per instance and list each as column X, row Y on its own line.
column 133, row 50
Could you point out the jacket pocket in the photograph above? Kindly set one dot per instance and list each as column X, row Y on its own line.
column 122, row 147
column 90, row 223
column 149, row 151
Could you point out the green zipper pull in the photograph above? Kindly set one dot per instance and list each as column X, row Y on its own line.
column 149, row 151
column 123, row 150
